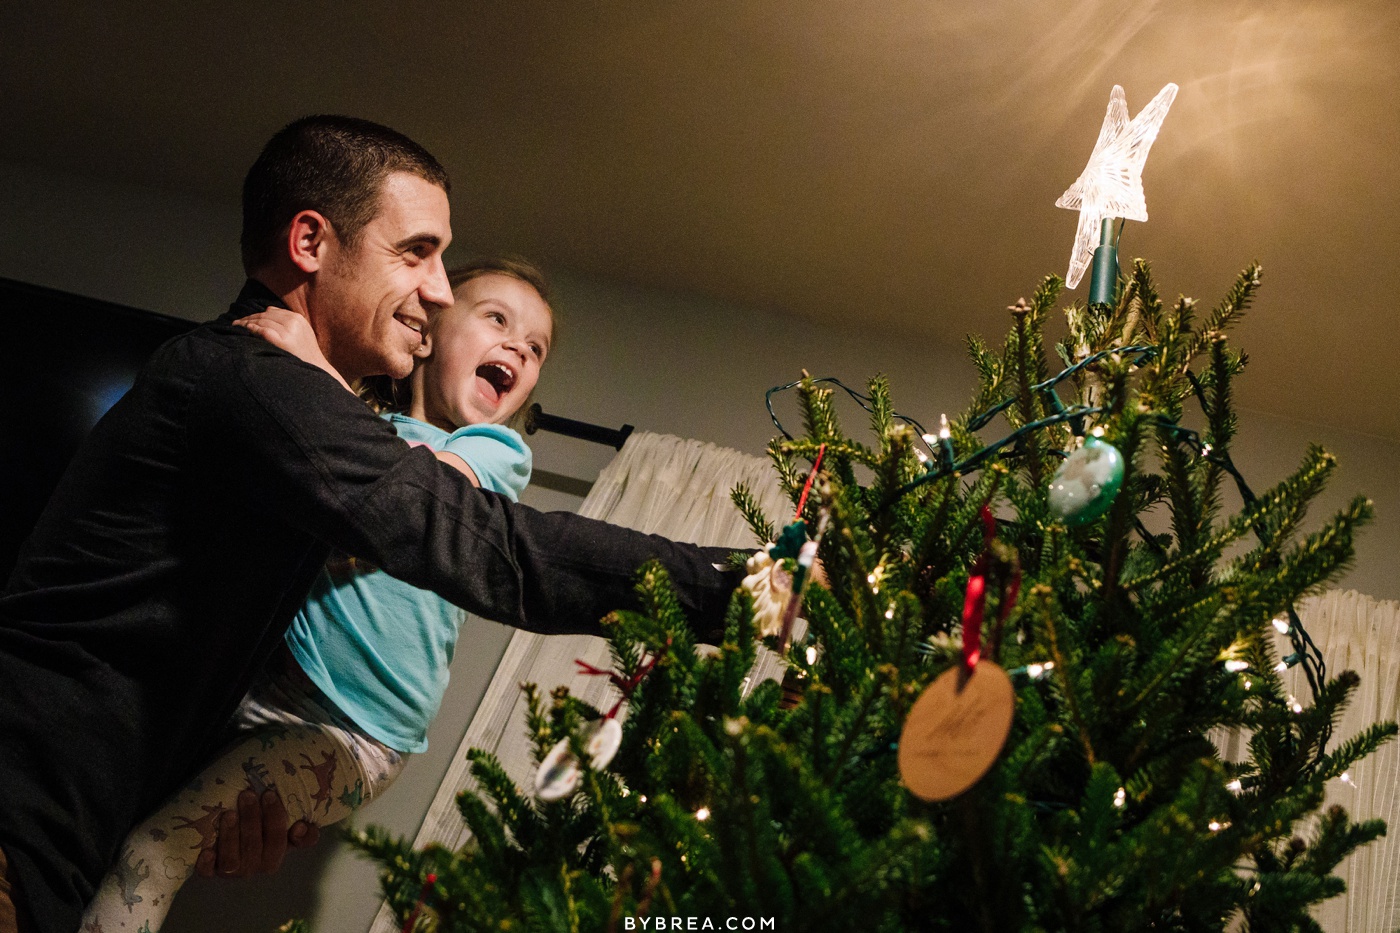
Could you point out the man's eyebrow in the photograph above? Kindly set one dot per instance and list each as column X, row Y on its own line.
column 419, row 239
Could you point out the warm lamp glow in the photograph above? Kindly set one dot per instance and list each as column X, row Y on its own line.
column 1111, row 184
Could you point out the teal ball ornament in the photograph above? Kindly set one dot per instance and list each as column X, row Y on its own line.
column 1087, row 482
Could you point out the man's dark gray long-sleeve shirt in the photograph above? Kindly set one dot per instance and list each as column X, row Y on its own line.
column 183, row 538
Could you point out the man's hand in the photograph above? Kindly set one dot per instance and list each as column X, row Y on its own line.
column 289, row 331
column 254, row 838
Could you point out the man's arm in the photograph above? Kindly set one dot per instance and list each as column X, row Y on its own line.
column 298, row 446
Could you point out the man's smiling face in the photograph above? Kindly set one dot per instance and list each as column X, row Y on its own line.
column 371, row 300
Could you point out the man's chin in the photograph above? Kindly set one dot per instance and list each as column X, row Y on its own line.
column 399, row 367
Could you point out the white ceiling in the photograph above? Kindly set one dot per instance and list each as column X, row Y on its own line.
column 889, row 164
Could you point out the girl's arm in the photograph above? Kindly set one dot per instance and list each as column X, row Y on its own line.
column 457, row 463
column 289, row 331
column 492, row 456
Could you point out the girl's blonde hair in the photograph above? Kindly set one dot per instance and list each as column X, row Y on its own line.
column 383, row 393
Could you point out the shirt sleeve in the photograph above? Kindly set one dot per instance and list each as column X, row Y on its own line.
column 497, row 455
column 294, row 443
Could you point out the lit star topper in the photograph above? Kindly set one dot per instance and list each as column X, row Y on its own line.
column 1111, row 184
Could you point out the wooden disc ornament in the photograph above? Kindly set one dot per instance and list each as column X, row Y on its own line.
column 956, row 730
column 957, row 727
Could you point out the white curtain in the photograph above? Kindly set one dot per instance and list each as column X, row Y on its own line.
column 658, row 484
column 1356, row 632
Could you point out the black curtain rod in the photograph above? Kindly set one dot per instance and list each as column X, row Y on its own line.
column 537, row 420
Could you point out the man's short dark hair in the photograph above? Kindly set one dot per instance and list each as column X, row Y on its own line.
column 333, row 165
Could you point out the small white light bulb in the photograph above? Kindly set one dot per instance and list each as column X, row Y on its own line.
column 702, row 814
column 1234, row 667
column 1281, row 666
column 811, row 654
column 1281, row 625
column 1235, row 786
column 944, row 432
column 1120, row 798
column 1035, row 670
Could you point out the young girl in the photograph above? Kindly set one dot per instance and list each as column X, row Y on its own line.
column 367, row 657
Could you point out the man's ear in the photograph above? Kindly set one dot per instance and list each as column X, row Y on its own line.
column 308, row 238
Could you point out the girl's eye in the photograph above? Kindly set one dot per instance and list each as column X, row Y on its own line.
column 537, row 350
column 496, row 316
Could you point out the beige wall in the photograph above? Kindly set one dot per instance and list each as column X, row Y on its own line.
column 663, row 362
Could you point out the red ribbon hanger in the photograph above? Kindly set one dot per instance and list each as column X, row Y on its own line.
column 975, row 603
column 626, row 686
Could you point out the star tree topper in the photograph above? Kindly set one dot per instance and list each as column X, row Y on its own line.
column 1111, row 184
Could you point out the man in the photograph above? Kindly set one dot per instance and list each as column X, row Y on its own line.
column 189, row 527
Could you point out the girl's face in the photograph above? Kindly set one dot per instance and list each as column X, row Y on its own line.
column 483, row 354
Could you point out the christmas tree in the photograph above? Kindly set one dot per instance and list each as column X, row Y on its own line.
column 1088, row 553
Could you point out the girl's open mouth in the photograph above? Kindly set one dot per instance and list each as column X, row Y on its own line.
column 498, row 379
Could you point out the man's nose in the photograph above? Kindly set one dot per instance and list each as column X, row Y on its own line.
column 435, row 289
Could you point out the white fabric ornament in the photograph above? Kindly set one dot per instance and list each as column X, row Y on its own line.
column 559, row 774
column 771, row 588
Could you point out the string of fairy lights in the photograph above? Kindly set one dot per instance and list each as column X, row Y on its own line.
column 941, row 462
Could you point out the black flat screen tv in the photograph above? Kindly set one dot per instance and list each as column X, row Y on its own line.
column 66, row 360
